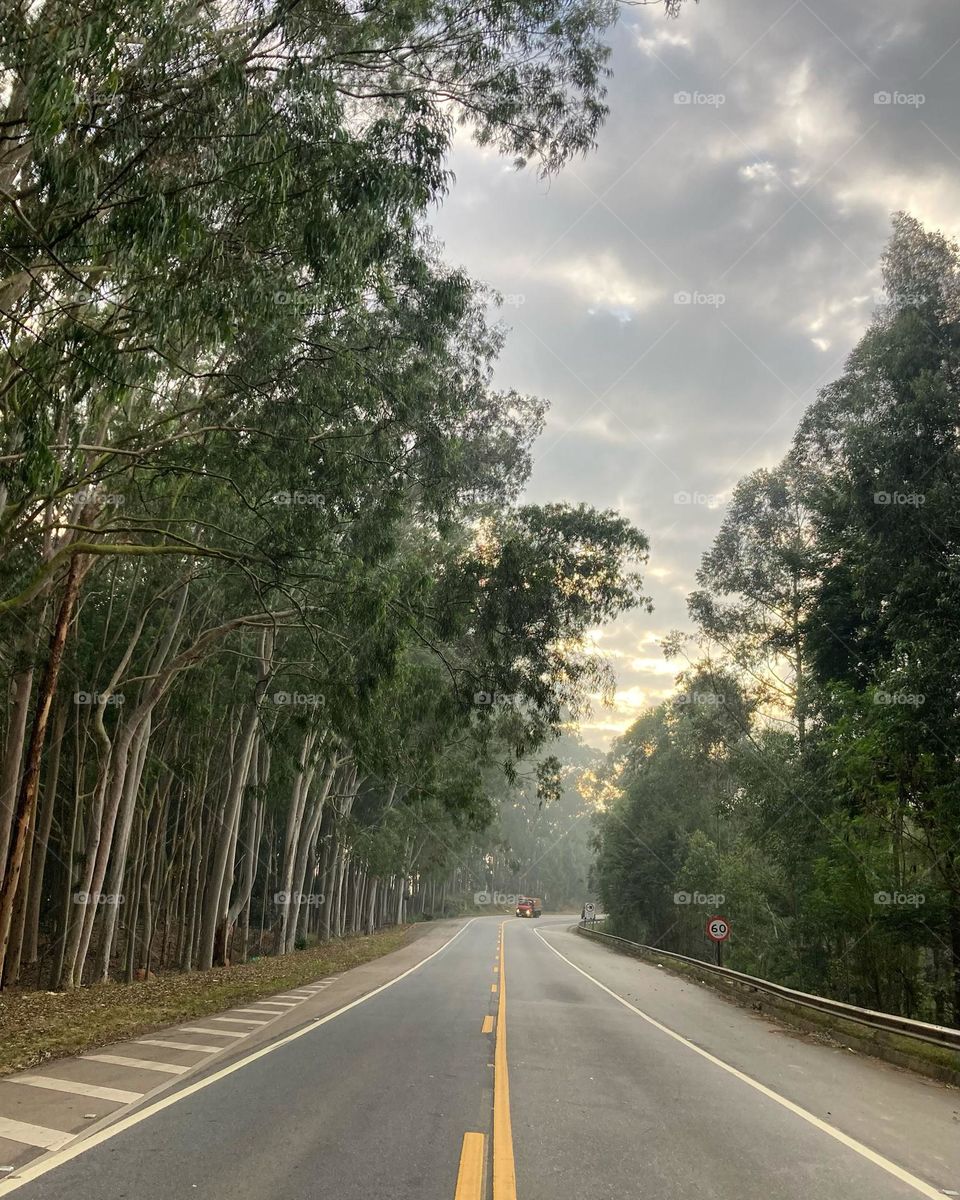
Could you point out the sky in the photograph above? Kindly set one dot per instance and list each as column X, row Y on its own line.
column 680, row 295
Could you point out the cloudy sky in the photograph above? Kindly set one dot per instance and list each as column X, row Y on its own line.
column 752, row 158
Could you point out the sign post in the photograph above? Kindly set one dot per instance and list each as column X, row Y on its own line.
column 590, row 911
column 718, row 930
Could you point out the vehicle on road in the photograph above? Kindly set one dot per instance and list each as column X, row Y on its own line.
column 528, row 906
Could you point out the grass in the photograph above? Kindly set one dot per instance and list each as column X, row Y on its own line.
column 37, row 1026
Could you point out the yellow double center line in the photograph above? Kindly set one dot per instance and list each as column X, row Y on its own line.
column 504, row 1171
column 470, row 1173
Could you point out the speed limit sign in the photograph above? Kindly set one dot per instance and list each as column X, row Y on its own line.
column 718, row 929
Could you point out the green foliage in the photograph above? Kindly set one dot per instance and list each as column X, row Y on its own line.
column 825, row 805
column 242, row 388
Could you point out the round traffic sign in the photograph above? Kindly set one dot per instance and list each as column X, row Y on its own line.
column 718, row 929
column 589, row 908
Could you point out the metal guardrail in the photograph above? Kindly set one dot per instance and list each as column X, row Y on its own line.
column 936, row 1035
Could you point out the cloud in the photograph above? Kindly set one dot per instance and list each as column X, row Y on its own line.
column 775, row 203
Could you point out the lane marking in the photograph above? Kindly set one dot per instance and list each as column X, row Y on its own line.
column 878, row 1160
column 240, row 1020
column 36, row 1135
column 141, row 1064
column 493, row 987
column 487, row 1026
column 277, row 1004
column 260, row 1012
column 218, row 1032
column 74, row 1088
column 178, row 1045
column 504, row 1168
column 56, row 1159
column 470, row 1175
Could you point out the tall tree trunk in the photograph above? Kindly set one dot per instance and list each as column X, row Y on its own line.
column 369, row 924
column 292, row 838
column 217, row 897
column 27, row 796
column 134, row 881
column 118, row 858
column 305, row 852
column 31, row 940
column 18, row 710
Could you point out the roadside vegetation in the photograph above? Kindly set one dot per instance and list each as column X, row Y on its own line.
column 803, row 782
column 41, row 1025
column 274, row 626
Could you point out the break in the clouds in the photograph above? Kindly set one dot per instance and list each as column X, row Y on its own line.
column 680, row 295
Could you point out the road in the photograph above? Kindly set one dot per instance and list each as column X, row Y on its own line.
column 574, row 1071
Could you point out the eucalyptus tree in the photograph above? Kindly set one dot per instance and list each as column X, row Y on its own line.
column 757, row 583
column 248, row 436
column 883, row 634
column 836, row 846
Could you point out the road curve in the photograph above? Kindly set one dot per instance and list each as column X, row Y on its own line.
column 623, row 1082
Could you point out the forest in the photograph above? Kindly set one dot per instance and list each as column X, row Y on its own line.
column 276, row 629
column 803, row 779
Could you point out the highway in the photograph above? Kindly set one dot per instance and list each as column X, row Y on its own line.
column 557, row 1070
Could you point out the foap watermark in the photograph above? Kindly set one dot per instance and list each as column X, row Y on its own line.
column 298, row 699
column 99, row 698
column 707, row 698
column 98, row 898
column 710, row 899
column 488, row 698
column 709, row 499
column 497, row 899
column 309, row 898
column 700, row 99
column 514, row 299
column 297, row 499
column 96, row 494
column 900, row 99
column 700, row 299
column 899, row 699
column 904, row 899
column 294, row 300
column 901, row 499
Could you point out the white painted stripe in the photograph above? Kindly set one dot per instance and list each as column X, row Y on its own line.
column 141, row 1064
column 844, row 1139
column 239, row 1020
column 75, row 1088
column 293, row 996
column 178, row 1045
column 218, row 1032
column 263, row 1012
column 279, row 1003
column 34, row 1135
column 50, row 1162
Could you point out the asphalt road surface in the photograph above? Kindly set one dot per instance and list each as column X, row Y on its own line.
column 557, row 1070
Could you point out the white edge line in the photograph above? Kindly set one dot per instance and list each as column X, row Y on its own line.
column 925, row 1189
column 58, row 1157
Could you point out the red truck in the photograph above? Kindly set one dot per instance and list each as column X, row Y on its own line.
column 528, row 906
